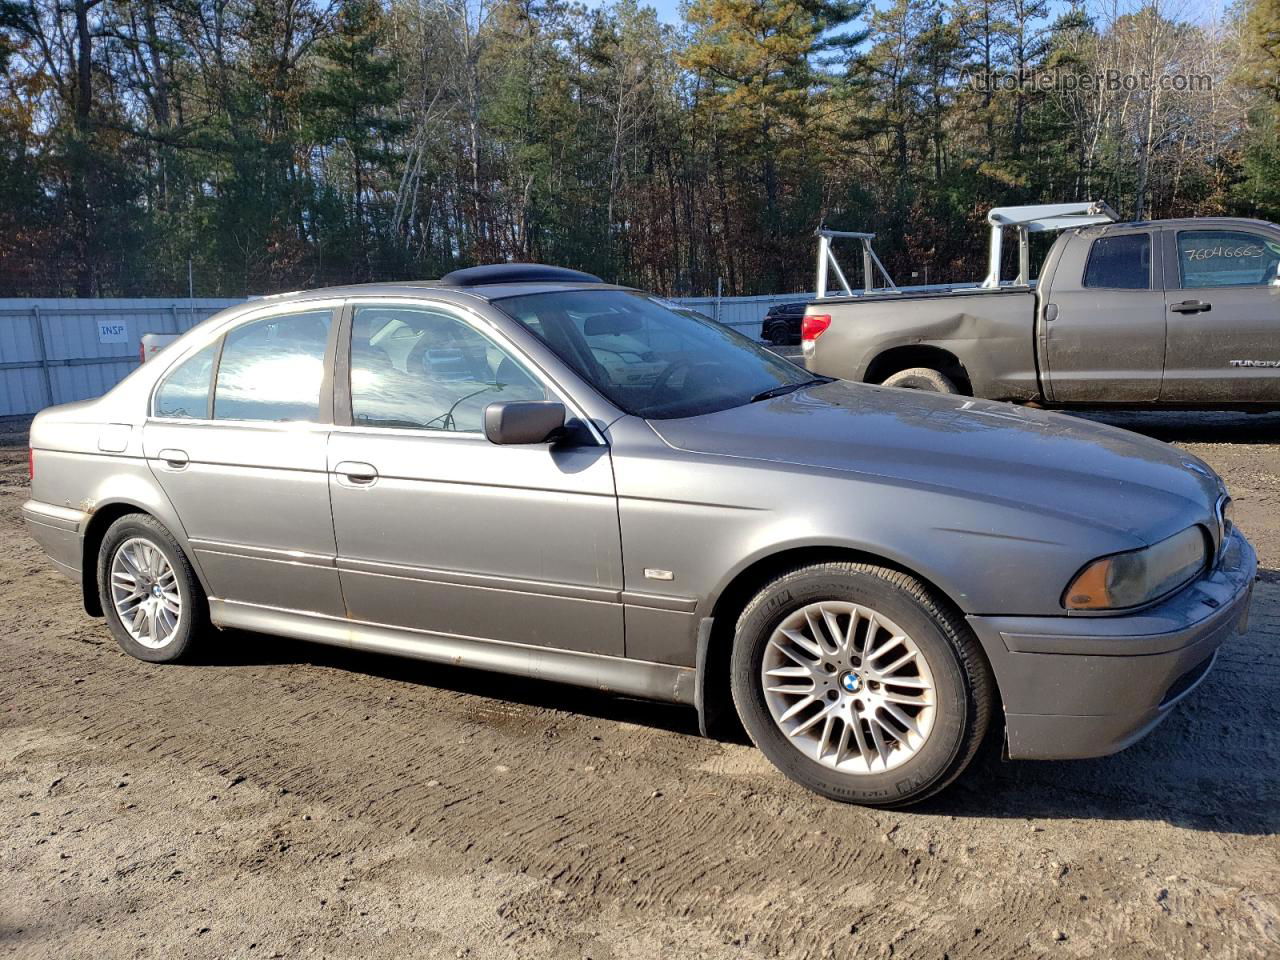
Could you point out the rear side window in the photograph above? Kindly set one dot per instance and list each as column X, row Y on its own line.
column 1120, row 263
column 1226, row 258
column 185, row 391
column 272, row 369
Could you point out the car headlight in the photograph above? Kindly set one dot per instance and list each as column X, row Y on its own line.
column 1139, row 576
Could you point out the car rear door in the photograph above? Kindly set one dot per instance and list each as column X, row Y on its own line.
column 1103, row 320
column 1224, row 317
column 442, row 531
column 244, row 462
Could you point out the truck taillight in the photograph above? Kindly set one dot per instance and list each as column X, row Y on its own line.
column 142, row 352
column 814, row 325
column 31, row 463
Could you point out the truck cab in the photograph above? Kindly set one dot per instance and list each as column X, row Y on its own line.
column 1179, row 312
column 1170, row 313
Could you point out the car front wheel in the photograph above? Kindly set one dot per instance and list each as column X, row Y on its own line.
column 858, row 684
column 150, row 595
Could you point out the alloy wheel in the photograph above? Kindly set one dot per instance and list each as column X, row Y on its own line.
column 848, row 687
column 144, row 591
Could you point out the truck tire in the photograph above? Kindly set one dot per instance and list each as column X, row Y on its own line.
column 921, row 378
column 858, row 683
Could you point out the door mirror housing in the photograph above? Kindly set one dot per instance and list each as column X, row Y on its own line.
column 523, row 421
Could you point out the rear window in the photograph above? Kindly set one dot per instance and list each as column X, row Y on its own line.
column 1120, row 263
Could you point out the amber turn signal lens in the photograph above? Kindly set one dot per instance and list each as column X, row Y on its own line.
column 1089, row 590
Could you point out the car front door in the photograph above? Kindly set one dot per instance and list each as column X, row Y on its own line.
column 1104, row 322
column 442, row 531
column 237, row 439
column 1224, row 318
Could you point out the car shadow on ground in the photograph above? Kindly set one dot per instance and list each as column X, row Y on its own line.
column 239, row 648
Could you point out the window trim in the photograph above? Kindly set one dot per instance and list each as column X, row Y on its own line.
column 343, row 418
column 1153, row 252
column 218, row 338
column 1177, row 256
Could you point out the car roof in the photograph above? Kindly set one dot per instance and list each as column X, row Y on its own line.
column 417, row 288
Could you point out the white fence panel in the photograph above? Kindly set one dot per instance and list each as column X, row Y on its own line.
column 53, row 351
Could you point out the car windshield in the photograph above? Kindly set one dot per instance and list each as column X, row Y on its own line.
column 650, row 359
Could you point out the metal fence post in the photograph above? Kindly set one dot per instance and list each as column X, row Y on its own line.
column 37, row 333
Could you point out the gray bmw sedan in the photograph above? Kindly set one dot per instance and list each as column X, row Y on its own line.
column 521, row 468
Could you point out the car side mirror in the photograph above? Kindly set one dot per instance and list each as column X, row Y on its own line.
column 523, row 421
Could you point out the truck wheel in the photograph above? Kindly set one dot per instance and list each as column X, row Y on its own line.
column 921, row 378
column 150, row 595
column 858, row 684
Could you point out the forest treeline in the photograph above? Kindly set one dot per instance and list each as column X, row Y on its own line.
column 262, row 145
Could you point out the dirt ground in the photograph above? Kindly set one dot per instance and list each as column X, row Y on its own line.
column 285, row 800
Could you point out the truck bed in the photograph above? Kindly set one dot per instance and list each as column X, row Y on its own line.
column 993, row 329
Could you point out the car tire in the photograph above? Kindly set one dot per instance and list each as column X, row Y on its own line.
column 921, row 378
column 950, row 717
column 142, row 570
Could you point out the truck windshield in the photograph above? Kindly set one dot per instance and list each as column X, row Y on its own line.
column 650, row 360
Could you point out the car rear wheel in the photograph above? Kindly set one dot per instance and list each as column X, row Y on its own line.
column 150, row 595
column 858, row 684
column 921, row 378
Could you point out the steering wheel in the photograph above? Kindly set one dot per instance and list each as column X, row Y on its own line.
column 661, row 384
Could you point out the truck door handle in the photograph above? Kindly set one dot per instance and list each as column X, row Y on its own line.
column 177, row 459
column 1191, row 306
column 356, row 473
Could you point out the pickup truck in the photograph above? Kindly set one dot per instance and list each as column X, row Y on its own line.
column 1162, row 313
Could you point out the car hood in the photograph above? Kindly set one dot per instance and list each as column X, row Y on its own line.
column 1046, row 462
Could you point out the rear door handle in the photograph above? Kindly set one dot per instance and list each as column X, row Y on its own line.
column 1191, row 306
column 177, row 459
column 356, row 473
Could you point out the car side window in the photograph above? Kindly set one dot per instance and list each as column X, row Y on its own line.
column 184, row 393
column 425, row 369
column 1120, row 263
column 1226, row 258
column 272, row 369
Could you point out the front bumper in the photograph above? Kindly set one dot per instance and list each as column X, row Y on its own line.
column 1089, row 686
column 58, row 531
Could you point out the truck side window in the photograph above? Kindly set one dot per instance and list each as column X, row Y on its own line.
column 1120, row 263
column 1226, row 258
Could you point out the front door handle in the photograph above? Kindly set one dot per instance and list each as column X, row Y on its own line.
column 1191, row 306
column 177, row 459
column 356, row 473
